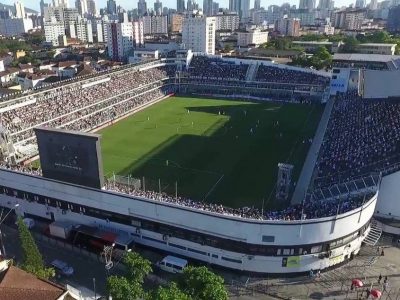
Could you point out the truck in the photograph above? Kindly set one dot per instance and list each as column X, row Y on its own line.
column 60, row 229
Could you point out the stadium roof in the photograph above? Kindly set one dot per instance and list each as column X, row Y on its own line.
column 377, row 45
column 365, row 57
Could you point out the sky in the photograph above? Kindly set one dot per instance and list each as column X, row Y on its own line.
column 129, row 4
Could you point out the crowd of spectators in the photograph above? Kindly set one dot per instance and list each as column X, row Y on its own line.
column 75, row 107
column 310, row 209
column 363, row 136
column 307, row 210
column 285, row 75
column 205, row 67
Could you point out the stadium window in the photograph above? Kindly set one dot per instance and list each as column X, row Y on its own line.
column 286, row 252
column 268, row 238
column 214, row 256
column 231, row 260
column 197, row 251
column 316, row 249
column 135, row 223
column 177, row 246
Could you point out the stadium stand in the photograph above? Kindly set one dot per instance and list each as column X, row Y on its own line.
column 363, row 136
column 205, row 67
column 275, row 74
column 309, row 209
column 84, row 108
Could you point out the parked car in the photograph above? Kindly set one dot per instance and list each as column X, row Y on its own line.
column 172, row 264
column 62, row 267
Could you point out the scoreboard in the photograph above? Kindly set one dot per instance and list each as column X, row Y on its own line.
column 70, row 156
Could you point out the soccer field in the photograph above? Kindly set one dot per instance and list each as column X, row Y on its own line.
column 220, row 151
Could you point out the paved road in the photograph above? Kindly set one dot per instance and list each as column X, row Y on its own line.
column 85, row 268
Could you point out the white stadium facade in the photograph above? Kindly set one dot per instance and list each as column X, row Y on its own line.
column 231, row 241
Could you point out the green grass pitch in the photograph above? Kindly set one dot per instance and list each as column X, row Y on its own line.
column 219, row 151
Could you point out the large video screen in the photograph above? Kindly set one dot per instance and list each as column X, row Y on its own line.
column 70, row 156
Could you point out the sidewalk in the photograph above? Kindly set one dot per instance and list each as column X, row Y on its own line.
column 334, row 284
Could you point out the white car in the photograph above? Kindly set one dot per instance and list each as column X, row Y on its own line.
column 62, row 267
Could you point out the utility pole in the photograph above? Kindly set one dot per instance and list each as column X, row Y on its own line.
column 94, row 288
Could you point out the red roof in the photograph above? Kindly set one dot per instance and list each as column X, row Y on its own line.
column 17, row 284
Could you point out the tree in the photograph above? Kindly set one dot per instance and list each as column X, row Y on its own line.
column 350, row 45
column 120, row 288
column 283, row 43
column 202, row 284
column 228, row 48
column 172, row 292
column 32, row 259
column 323, row 54
column 138, row 267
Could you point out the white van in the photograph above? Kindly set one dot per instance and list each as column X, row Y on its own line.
column 172, row 264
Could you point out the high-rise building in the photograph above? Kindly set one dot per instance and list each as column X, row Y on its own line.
column 83, row 30
column 98, row 32
column 138, row 33
column 19, row 9
column 208, row 8
column 254, row 37
column 158, row 7
column 242, row 7
column 215, row 8
column 176, row 22
column 198, row 34
column 119, row 40
column 244, row 12
column 288, row 26
column 111, row 7
column 234, row 5
column 57, row 3
column 15, row 26
column 155, row 24
column 60, row 14
column 227, row 21
column 180, row 6
column 360, row 3
column 91, row 7
column 325, row 4
column 123, row 17
column 43, row 6
column 350, row 19
column 142, row 7
column 81, row 6
column 393, row 21
column 257, row 4
column 53, row 30
column 307, row 4
column 190, row 5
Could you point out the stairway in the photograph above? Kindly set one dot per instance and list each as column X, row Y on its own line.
column 251, row 72
column 374, row 234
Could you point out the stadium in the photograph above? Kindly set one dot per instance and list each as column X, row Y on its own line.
column 243, row 164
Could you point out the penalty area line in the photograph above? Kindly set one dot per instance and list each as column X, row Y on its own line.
column 213, row 187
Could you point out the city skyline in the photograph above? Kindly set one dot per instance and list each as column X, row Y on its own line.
column 128, row 4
